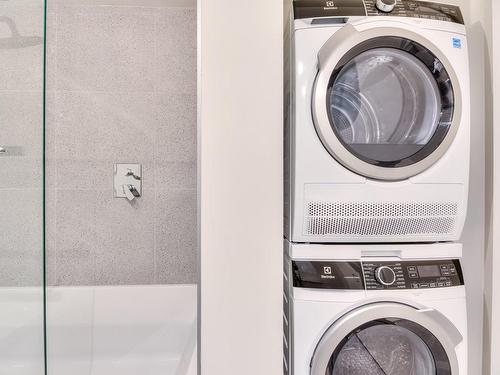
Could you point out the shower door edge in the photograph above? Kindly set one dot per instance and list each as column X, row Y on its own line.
column 44, row 211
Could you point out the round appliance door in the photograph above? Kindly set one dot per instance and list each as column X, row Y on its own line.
column 385, row 106
column 388, row 339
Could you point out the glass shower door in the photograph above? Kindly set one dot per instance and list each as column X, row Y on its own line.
column 21, row 187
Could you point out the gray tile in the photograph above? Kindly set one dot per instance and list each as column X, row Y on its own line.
column 21, row 222
column 72, row 272
column 176, row 175
column 177, row 131
column 124, row 240
column 21, row 272
column 176, row 148
column 50, row 236
column 176, row 237
column 22, row 126
column 22, row 59
column 75, row 241
column 21, row 239
column 51, row 41
column 103, row 240
column 96, row 130
column 176, row 50
column 50, row 145
column 50, row 193
column 105, row 48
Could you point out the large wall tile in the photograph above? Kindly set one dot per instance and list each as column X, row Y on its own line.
column 96, row 130
column 75, row 237
column 21, row 67
column 51, row 46
column 176, row 148
column 176, row 48
column 176, row 137
column 176, row 175
column 105, row 48
column 22, row 271
column 21, row 126
column 21, row 238
column 176, row 236
column 50, row 236
column 124, row 240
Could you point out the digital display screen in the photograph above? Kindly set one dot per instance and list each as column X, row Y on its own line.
column 429, row 271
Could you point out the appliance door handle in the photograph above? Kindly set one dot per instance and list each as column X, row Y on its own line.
column 452, row 331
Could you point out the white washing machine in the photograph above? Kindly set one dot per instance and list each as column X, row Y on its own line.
column 374, row 310
column 377, row 140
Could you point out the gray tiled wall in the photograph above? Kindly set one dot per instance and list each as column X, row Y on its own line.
column 21, row 125
column 121, row 88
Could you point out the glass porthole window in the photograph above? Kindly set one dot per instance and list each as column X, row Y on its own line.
column 390, row 102
column 388, row 347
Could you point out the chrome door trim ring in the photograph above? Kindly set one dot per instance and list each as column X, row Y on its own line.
column 330, row 54
column 447, row 334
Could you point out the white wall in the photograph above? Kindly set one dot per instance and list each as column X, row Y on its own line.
column 475, row 14
column 492, row 259
column 241, row 137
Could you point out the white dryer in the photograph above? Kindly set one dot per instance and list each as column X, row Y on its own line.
column 377, row 140
column 374, row 310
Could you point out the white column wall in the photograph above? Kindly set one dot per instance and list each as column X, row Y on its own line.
column 492, row 258
column 241, row 182
column 473, row 237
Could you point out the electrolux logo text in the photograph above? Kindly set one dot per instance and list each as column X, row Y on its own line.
column 330, row 5
column 327, row 273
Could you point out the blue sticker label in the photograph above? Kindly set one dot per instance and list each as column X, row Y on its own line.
column 457, row 43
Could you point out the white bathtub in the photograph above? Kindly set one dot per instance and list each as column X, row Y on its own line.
column 21, row 331
column 126, row 330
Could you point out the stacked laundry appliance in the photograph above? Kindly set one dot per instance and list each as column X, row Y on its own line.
column 376, row 184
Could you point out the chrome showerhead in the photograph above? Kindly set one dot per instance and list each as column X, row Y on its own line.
column 16, row 40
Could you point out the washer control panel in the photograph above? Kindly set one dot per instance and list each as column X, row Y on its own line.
column 412, row 274
column 377, row 275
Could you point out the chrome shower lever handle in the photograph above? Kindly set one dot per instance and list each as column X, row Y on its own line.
column 131, row 173
column 127, row 181
column 131, row 192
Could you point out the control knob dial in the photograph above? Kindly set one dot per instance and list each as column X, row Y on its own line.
column 385, row 275
column 386, row 6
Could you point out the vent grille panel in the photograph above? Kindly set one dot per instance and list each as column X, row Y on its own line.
column 381, row 219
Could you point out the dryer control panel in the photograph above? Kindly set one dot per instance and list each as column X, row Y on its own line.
column 378, row 275
column 398, row 8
